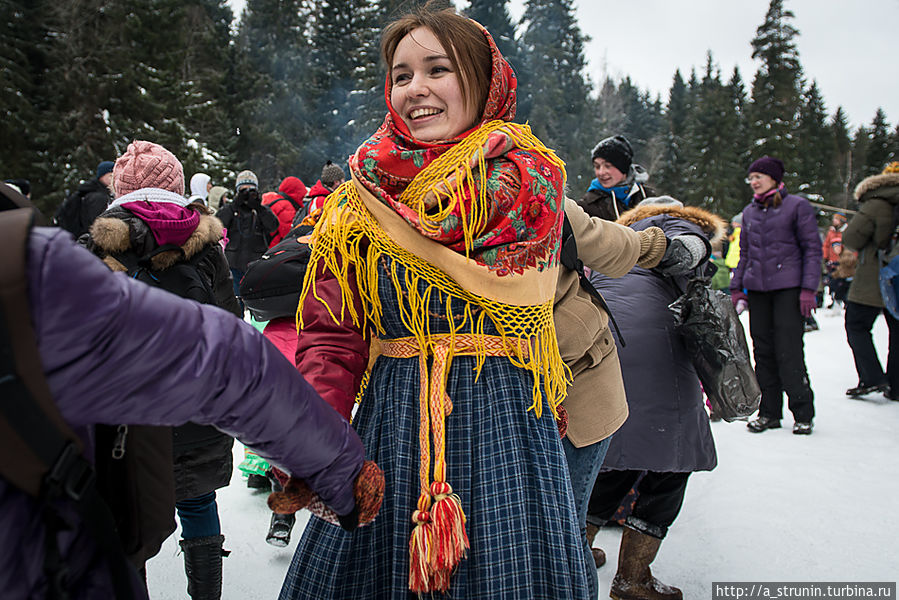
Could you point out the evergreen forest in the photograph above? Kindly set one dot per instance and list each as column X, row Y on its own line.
column 289, row 84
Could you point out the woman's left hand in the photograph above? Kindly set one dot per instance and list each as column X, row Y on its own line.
column 807, row 302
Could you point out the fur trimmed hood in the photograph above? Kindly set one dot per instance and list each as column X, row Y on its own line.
column 711, row 224
column 869, row 184
column 120, row 230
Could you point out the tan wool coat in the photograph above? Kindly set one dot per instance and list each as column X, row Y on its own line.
column 596, row 403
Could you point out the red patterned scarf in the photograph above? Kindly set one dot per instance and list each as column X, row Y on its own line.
column 499, row 201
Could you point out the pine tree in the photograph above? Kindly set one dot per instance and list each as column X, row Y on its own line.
column 877, row 154
column 842, row 157
column 669, row 177
column 689, row 155
column 860, row 142
column 711, row 131
column 738, row 127
column 894, row 145
column 344, row 83
column 96, row 88
column 608, row 110
column 814, row 140
column 23, row 47
column 389, row 10
column 559, row 114
column 180, row 71
column 494, row 16
column 273, row 115
column 776, row 87
column 204, row 65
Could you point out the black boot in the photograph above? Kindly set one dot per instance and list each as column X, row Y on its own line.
column 634, row 580
column 762, row 423
column 258, row 482
column 203, row 565
column 279, row 530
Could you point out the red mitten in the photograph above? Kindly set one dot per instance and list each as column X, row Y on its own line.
column 368, row 490
column 562, row 420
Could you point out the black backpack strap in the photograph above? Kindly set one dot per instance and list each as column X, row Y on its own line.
column 48, row 464
column 569, row 259
column 293, row 202
column 302, row 209
column 134, row 263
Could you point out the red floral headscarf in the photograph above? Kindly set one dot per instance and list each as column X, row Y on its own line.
column 524, row 183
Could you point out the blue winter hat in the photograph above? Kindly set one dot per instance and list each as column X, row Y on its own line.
column 105, row 167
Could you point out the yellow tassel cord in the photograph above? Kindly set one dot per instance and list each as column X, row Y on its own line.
column 347, row 234
column 439, row 541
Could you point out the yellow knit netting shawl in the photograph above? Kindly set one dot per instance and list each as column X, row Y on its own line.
column 349, row 234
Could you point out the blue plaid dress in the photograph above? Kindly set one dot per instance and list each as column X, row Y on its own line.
column 507, row 467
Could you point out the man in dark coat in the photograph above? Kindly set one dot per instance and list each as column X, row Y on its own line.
column 79, row 209
column 250, row 226
column 619, row 185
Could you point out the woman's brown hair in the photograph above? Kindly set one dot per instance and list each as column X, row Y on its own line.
column 461, row 38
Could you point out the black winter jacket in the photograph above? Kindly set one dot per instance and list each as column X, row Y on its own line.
column 79, row 210
column 599, row 203
column 202, row 454
column 250, row 229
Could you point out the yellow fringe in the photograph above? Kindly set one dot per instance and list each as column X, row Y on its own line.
column 347, row 234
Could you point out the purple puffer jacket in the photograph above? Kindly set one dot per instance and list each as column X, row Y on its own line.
column 117, row 351
column 780, row 247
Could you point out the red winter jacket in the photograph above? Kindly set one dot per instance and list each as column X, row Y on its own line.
column 332, row 356
column 317, row 196
column 833, row 245
column 294, row 189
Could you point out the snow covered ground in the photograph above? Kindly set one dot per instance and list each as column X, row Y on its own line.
column 779, row 507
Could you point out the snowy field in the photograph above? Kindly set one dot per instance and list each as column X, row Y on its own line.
column 779, row 507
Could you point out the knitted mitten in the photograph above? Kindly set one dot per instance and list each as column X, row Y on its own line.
column 368, row 491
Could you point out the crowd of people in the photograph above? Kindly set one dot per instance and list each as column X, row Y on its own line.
column 505, row 354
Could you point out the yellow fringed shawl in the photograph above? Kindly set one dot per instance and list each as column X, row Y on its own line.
column 357, row 229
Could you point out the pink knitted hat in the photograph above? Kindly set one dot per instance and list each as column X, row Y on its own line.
column 147, row 165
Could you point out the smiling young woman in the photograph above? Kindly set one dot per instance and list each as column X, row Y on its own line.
column 427, row 88
column 444, row 246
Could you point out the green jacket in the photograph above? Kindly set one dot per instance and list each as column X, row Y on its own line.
column 870, row 230
column 721, row 278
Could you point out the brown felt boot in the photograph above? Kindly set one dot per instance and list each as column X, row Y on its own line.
column 634, row 580
column 599, row 555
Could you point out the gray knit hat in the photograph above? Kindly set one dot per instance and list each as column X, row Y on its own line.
column 332, row 173
column 661, row 200
column 247, row 178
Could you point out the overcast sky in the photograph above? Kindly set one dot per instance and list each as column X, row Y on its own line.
column 851, row 49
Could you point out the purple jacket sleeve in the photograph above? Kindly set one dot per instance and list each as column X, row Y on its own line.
column 810, row 245
column 117, row 351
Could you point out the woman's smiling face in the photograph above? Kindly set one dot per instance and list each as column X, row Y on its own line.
column 426, row 90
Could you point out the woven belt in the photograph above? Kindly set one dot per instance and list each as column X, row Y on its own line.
column 439, row 540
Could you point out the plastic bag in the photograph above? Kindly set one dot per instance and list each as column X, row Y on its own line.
column 714, row 337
